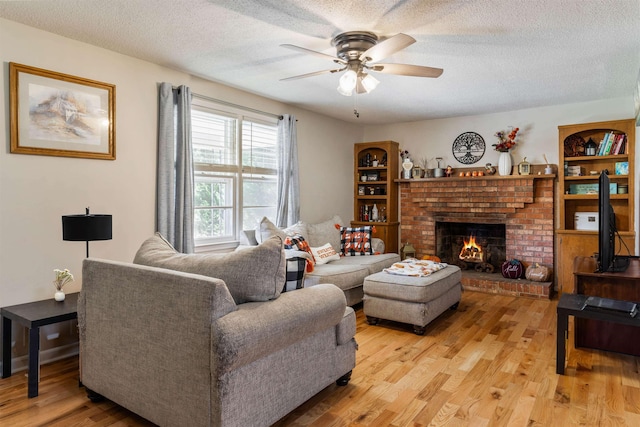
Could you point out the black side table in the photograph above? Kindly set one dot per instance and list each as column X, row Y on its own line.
column 572, row 305
column 33, row 315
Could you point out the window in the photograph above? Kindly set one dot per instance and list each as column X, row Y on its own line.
column 231, row 194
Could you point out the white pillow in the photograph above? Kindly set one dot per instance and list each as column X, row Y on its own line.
column 324, row 254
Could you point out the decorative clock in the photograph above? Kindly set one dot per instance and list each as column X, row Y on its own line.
column 468, row 148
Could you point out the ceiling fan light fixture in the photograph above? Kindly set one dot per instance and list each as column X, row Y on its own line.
column 344, row 92
column 347, row 82
column 369, row 82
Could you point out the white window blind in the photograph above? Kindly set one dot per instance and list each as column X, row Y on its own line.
column 231, row 194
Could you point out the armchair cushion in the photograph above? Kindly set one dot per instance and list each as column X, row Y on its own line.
column 254, row 274
column 259, row 329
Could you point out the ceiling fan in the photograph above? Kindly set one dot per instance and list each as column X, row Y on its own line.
column 358, row 52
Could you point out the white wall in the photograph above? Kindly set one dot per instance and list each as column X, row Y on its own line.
column 35, row 191
column 538, row 130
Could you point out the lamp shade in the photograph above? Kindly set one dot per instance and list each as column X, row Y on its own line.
column 369, row 82
column 347, row 82
column 86, row 227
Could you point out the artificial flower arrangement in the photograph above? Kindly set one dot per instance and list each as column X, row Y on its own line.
column 507, row 141
column 62, row 278
column 405, row 155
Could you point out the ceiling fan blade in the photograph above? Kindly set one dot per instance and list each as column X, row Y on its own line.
column 315, row 73
column 407, row 70
column 313, row 52
column 387, row 47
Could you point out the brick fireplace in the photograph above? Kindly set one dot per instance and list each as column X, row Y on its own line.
column 524, row 204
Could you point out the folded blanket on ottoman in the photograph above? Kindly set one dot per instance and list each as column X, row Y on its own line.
column 415, row 268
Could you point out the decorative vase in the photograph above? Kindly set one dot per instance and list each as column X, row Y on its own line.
column 59, row 295
column 504, row 163
column 407, row 165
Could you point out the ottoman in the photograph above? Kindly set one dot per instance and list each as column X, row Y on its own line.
column 413, row 300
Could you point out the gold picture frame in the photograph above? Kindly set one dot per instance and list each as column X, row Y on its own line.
column 55, row 114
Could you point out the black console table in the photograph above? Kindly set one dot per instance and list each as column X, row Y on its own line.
column 625, row 286
column 571, row 305
column 33, row 315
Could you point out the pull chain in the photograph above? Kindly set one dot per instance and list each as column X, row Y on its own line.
column 355, row 105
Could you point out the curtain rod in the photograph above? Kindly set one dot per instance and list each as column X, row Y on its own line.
column 231, row 104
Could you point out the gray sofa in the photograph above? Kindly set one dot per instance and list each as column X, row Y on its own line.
column 347, row 273
column 222, row 347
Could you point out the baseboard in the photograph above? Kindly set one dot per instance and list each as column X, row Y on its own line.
column 21, row 363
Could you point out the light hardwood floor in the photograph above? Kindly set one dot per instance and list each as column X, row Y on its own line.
column 490, row 363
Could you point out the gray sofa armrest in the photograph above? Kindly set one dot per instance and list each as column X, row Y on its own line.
column 261, row 328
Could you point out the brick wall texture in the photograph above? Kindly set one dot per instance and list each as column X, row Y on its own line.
column 523, row 204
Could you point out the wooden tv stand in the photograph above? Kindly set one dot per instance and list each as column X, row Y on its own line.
column 624, row 286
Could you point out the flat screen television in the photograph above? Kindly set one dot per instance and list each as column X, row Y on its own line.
column 607, row 259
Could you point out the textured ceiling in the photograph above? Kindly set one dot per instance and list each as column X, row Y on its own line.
column 497, row 55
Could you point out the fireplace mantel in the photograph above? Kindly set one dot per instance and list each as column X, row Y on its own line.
column 476, row 178
column 487, row 196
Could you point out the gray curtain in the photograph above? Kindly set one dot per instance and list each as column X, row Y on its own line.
column 288, row 209
column 175, row 168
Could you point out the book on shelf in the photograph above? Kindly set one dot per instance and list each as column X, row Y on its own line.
column 618, row 144
column 607, row 148
column 612, row 144
column 623, row 146
column 603, row 144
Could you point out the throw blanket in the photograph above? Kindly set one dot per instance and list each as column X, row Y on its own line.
column 415, row 268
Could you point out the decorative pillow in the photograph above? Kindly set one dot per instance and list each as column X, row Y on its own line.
column 248, row 238
column 253, row 274
column 356, row 240
column 297, row 242
column 324, row 254
column 267, row 229
column 296, row 268
column 319, row 234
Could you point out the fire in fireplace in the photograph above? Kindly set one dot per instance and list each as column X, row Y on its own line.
column 477, row 246
column 471, row 252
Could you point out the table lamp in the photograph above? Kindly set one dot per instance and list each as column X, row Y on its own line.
column 87, row 227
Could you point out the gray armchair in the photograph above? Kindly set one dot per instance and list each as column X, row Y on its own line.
column 175, row 348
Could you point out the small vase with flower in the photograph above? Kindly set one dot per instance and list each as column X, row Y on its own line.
column 62, row 278
column 507, row 142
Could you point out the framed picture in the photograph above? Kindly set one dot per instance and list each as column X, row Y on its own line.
column 55, row 114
